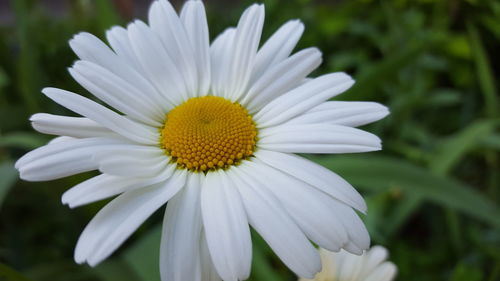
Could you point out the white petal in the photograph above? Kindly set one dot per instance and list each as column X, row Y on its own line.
column 374, row 257
column 77, row 127
column 226, row 227
column 105, row 117
column 117, row 92
column 220, row 60
column 90, row 48
column 350, row 268
column 233, row 53
column 165, row 23
column 67, row 144
column 328, row 265
column 385, row 272
column 277, row 48
column 317, row 148
column 180, row 239
column 195, row 22
column 131, row 160
column 128, row 165
column 60, row 139
column 62, row 159
column 244, row 49
column 274, row 224
column 158, row 66
column 281, row 77
column 208, row 271
column 118, row 39
column 303, row 98
column 352, row 248
column 121, row 217
column 346, row 113
column 359, row 238
column 315, row 175
column 105, row 186
column 131, row 151
column 309, row 207
column 317, row 138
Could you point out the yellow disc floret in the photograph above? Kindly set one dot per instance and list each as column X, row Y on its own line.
column 208, row 133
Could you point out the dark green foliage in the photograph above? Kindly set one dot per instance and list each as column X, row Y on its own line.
column 433, row 192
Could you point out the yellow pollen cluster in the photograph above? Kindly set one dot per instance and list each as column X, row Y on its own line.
column 208, row 133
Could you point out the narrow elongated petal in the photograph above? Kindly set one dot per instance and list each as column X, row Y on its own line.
column 131, row 150
column 346, row 113
column 159, row 67
column 118, row 38
column 359, row 238
column 132, row 160
column 180, row 240
column 194, row 20
column 350, row 266
column 244, row 49
column 276, row 226
column 121, row 217
column 233, row 54
column 208, row 271
column 168, row 27
column 374, row 257
column 384, row 272
column 370, row 265
column 281, row 77
column 308, row 206
column 90, row 48
column 347, row 231
column 60, row 139
column 315, row 175
column 226, row 227
column 277, row 48
column 303, row 98
column 219, row 49
column 98, row 113
column 117, row 92
column 62, row 159
column 318, row 138
column 77, row 127
column 105, row 186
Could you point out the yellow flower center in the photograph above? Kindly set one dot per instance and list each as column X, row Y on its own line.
column 208, row 133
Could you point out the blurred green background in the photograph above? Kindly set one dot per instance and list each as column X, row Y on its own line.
column 433, row 192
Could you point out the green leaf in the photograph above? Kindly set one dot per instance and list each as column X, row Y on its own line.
column 23, row 140
column 112, row 270
column 384, row 71
column 107, row 14
column 484, row 71
column 144, row 255
column 492, row 141
column 8, row 176
column 9, row 274
column 380, row 173
column 28, row 68
column 4, row 79
column 401, row 213
column 466, row 273
column 262, row 267
column 454, row 149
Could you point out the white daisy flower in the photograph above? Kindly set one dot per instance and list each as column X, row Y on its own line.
column 210, row 128
column 344, row 266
